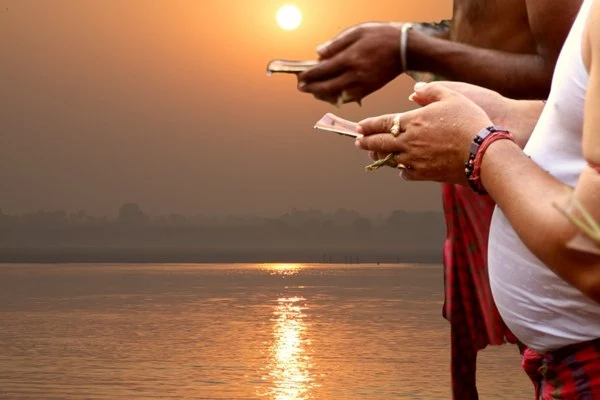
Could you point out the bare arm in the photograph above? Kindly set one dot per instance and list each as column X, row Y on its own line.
column 525, row 192
column 520, row 117
column 512, row 74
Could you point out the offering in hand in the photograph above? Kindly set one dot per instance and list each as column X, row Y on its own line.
column 332, row 123
column 588, row 238
column 289, row 67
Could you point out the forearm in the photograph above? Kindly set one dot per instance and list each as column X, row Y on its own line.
column 520, row 118
column 515, row 75
column 526, row 193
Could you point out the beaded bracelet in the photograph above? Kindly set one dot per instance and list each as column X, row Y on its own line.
column 481, row 142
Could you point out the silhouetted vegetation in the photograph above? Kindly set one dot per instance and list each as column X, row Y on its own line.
column 297, row 236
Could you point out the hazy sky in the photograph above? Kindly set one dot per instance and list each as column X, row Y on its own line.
column 166, row 103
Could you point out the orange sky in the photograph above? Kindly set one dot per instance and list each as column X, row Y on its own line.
column 166, row 103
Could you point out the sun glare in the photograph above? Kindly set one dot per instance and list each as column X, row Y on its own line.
column 288, row 17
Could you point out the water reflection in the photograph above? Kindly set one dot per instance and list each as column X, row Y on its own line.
column 289, row 364
column 283, row 269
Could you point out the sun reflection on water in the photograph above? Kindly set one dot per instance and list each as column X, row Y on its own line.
column 288, row 370
column 283, row 269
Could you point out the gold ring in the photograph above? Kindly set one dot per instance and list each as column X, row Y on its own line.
column 395, row 129
column 398, row 164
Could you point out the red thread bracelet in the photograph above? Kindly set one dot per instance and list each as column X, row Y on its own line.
column 475, row 177
column 479, row 145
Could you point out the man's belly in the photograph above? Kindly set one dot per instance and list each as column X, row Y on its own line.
column 541, row 309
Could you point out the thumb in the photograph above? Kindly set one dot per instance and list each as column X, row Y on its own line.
column 427, row 93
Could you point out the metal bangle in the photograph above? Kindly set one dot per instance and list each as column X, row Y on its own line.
column 404, row 44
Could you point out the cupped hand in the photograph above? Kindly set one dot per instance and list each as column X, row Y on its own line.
column 434, row 140
column 359, row 61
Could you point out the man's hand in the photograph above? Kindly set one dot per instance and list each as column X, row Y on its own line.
column 493, row 103
column 359, row 61
column 434, row 140
column 518, row 116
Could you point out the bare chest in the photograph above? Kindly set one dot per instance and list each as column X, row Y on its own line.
column 494, row 24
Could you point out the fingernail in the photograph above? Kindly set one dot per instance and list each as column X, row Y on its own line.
column 412, row 97
column 420, row 85
column 357, row 143
column 301, row 86
column 360, row 130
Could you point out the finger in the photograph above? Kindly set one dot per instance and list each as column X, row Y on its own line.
column 381, row 143
column 409, row 174
column 427, row 93
column 385, row 123
column 339, row 43
column 459, row 87
column 452, row 85
column 322, row 71
column 375, row 125
column 331, row 89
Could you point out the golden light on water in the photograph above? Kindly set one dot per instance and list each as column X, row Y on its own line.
column 283, row 269
column 290, row 362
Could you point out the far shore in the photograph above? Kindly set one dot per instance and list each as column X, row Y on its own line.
column 52, row 255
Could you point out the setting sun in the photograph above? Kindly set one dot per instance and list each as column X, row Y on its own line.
column 288, row 17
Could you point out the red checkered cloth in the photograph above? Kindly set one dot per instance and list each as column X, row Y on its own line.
column 570, row 373
column 469, row 306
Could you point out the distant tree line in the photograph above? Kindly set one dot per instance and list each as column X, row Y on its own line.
column 300, row 234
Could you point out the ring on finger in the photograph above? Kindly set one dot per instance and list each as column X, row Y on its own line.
column 395, row 129
column 399, row 165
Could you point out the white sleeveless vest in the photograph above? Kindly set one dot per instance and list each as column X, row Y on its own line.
column 540, row 308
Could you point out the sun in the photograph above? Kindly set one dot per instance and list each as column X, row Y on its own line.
column 289, row 17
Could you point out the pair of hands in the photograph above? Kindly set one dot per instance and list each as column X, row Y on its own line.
column 358, row 62
column 434, row 140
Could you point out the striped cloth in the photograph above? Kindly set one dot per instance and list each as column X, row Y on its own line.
column 570, row 373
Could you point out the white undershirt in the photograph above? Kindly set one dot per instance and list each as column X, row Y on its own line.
column 540, row 308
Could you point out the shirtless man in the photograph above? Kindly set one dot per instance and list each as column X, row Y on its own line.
column 510, row 46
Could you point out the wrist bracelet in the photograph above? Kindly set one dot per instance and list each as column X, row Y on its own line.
column 404, row 44
column 481, row 142
column 595, row 167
